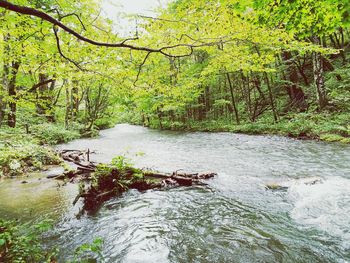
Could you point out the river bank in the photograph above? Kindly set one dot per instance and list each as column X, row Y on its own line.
column 32, row 201
column 27, row 149
column 328, row 127
column 23, row 151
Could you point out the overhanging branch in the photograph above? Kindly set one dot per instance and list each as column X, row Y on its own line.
column 40, row 14
column 61, row 53
column 37, row 13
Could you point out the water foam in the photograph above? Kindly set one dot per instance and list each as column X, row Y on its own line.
column 325, row 206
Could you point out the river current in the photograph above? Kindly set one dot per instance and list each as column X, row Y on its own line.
column 234, row 218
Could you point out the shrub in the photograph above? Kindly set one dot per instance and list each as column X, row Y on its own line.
column 53, row 134
column 21, row 243
column 104, row 123
column 20, row 158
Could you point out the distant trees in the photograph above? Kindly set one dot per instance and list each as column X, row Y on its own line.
column 273, row 57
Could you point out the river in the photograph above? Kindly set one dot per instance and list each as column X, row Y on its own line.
column 234, row 219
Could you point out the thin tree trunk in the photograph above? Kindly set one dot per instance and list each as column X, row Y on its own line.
column 11, row 119
column 67, row 115
column 5, row 79
column 272, row 102
column 75, row 100
column 45, row 98
column 207, row 100
column 318, row 71
column 295, row 93
column 233, row 98
column 246, row 93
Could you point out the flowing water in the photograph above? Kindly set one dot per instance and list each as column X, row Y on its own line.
column 234, row 219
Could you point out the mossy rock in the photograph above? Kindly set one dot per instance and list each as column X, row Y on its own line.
column 329, row 137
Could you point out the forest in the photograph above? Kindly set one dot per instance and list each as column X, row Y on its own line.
column 258, row 67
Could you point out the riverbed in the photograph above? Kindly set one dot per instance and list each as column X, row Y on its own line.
column 233, row 219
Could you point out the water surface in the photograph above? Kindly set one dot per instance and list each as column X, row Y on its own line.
column 235, row 219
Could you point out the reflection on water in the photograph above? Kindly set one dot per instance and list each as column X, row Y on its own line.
column 234, row 219
column 34, row 197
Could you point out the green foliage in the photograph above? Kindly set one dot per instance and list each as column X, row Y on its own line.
column 121, row 162
column 22, row 243
column 325, row 126
column 89, row 251
column 49, row 133
column 111, row 180
column 104, row 123
column 338, row 86
column 17, row 159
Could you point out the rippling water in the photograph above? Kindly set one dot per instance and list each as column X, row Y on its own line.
column 234, row 219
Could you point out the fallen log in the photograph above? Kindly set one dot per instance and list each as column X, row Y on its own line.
column 110, row 181
column 183, row 181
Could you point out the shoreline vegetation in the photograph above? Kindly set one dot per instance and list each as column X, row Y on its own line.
column 326, row 127
column 26, row 149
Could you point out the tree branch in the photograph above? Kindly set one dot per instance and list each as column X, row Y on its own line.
column 34, row 87
column 37, row 13
column 34, row 12
column 60, row 17
column 140, row 67
column 61, row 53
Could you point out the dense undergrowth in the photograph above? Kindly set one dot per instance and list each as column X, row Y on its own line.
column 26, row 149
column 21, row 153
column 23, row 243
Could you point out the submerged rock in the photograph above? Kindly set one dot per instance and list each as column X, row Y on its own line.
column 276, row 187
column 53, row 172
column 283, row 186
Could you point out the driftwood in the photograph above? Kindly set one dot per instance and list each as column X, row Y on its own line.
column 112, row 184
column 84, row 166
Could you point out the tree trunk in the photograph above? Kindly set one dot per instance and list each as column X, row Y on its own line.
column 68, row 113
column 160, row 119
column 51, row 112
column 295, row 93
column 318, row 71
column 246, row 94
column 75, row 100
column 272, row 102
column 233, row 98
column 207, row 100
column 11, row 119
column 5, row 79
column 45, row 98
